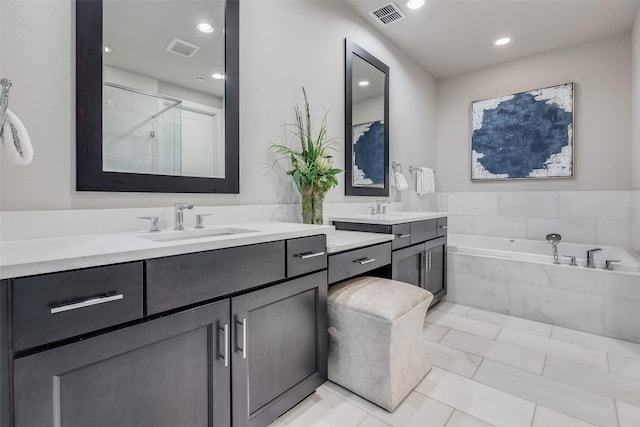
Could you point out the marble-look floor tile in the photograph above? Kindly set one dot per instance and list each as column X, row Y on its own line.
column 447, row 307
column 511, row 322
column 495, row 350
column 460, row 419
column 594, row 380
column 453, row 360
column 412, row 412
column 597, row 342
column 551, row 347
column 464, row 324
column 372, row 421
column 628, row 415
column 433, row 332
column 562, row 397
column 625, row 366
column 546, row 417
column 324, row 409
column 277, row 423
column 485, row 403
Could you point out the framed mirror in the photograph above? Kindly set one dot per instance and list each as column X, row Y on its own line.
column 366, row 123
column 157, row 96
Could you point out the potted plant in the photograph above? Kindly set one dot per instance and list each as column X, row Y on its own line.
column 312, row 165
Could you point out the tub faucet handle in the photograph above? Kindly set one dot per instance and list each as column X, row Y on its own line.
column 155, row 226
column 572, row 259
column 607, row 263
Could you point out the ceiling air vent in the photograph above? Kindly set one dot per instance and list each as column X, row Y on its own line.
column 182, row 48
column 387, row 14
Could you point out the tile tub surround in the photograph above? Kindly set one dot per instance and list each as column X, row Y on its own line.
column 590, row 300
column 603, row 217
column 478, row 381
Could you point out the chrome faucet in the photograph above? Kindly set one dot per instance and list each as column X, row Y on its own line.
column 590, row 252
column 179, row 211
column 381, row 206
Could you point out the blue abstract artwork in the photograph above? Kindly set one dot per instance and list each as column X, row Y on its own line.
column 525, row 135
column 368, row 154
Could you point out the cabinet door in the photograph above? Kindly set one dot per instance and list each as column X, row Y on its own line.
column 166, row 372
column 407, row 265
column 436, row 269
column 280, row 348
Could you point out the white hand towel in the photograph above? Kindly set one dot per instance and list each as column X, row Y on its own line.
column 401, row 181
column 425, row 181
column 16, row 141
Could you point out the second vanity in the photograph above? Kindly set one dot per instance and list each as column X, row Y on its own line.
column 169, row 331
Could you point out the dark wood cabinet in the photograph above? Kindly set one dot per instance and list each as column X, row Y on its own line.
column 279, row 348
column 419, row 252
column 225, row 340
column 162, row 373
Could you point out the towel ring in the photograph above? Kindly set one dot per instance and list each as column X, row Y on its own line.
column 4, row 101
column 397, row 167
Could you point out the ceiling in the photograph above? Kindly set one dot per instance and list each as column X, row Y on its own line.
column 449, row 37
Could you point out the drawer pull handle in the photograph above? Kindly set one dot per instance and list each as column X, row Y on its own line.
column 444, row 227
column 86, row 303
column 363, row 261
column 308, row 255
column 403, row 236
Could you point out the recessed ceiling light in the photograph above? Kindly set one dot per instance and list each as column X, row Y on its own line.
column 502, row 41
column 415, row 4
column 107, row 49
column 217, row 76
column 363, row 83
column 200, row 79
column 205, row 28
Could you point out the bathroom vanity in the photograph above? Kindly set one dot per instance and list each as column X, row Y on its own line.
column 418, row 250
column 195, row 332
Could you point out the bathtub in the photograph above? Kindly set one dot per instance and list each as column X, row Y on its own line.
column 518, row 277
column 540, row 251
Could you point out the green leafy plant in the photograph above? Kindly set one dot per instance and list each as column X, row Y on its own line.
column 312, row 165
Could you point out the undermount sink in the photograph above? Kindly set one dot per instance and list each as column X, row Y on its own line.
column 172, row 236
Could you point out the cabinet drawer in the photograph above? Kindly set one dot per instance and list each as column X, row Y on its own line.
column 176, row 281
column 402, row 236
column 351, row 263
column 55, row 306
column 306, row 254
column 423, row 230
column 441, row 227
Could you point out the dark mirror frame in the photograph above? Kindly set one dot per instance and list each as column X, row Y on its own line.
column 89, row 173
column 352, row 49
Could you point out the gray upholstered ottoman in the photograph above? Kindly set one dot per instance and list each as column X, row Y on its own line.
column 376, row 348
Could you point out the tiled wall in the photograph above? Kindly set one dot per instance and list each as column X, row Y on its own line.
column 605, row 217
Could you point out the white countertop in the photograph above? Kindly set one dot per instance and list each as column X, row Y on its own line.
column 339, row 241
column 390, row 218
column 29, row 257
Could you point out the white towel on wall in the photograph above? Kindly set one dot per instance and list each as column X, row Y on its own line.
column 425, row 181
column 400, row 181
column 15, row 140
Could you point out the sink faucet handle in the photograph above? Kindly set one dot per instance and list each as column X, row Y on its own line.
column 572, row 259
column 199, row 220
column 607, row 263
column 155, row 223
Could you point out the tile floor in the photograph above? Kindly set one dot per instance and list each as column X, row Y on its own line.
column 490, row 369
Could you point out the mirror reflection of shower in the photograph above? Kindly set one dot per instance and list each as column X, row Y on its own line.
column 148, row 133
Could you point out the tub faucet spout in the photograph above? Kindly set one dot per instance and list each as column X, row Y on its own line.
column 590, row 257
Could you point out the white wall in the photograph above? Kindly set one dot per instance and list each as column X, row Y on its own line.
column 283, row 45
column 635, row 158
column 602, row 73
